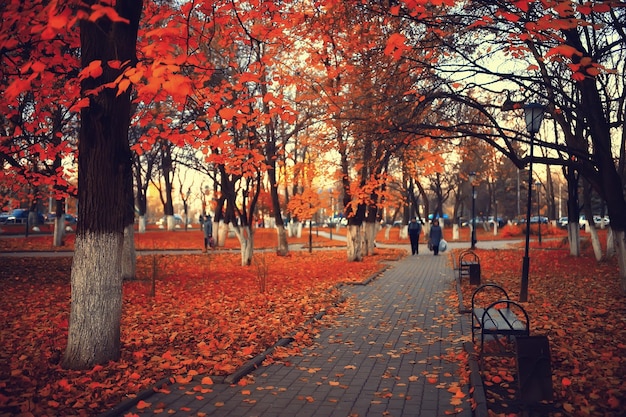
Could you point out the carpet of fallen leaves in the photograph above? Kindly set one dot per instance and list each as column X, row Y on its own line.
column 209, row 315
column 576, row 302
column 191, row 239
column 12, row 238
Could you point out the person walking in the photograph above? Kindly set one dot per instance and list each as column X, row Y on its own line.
column 435, row 236
column 207, row 228
column 415, row 228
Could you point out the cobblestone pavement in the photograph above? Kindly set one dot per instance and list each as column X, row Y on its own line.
column 391, row 355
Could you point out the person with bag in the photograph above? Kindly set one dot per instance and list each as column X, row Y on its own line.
column 415, row 228
column 207, row 228
column 435, row 237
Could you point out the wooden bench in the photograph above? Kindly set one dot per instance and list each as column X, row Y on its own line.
column 469, row 266
column 497, row 316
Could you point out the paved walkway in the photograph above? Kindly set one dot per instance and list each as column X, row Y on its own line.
column 390, row 356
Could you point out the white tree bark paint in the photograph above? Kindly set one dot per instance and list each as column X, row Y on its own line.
column 59, row 231
column 129, row 255
column 573, row 235
column 142, row 222
column 246, row 242
column 354, row 240
column 96, row 306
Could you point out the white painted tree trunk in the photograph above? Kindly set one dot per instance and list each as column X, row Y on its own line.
column 59, row 231
column 573, row 235
column 387, row 231
column 129, row 255
column 595, row 242
column 620, row 250
column 283, row 245
column 142, row 222
column 246, row 242
column 171, row 222
column 404, row 232
column 96, row 306
column 610, row 243
column 354, row 239
column 296, row 229
column 221, row 235
column 370, row 229
column 455, row 232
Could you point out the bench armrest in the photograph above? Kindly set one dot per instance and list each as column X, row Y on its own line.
column 499, row 291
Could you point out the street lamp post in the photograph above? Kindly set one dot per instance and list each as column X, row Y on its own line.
column 533, row 115
column 538, row 184
column 472, row 178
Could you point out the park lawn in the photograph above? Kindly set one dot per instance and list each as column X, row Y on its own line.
column 265, row 238
column 576, row 302
column 208, row 315
column 192, row 239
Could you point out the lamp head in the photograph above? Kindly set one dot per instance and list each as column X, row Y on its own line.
column 472, row 177
column 533, row 115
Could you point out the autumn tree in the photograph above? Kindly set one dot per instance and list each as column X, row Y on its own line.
column 364, row 91
column 105, row 185
column 38, row 113
column 566, row 55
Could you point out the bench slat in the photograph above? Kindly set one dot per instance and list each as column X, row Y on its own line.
column 501, row 320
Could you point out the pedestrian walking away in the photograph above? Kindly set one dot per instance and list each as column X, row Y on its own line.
column 415, row 228
column 207, row 228
column 435, row 236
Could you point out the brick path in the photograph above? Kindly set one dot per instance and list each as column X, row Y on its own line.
column 387, row 357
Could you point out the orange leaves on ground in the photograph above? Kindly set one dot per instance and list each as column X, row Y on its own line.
column 160, row 239
column 141, row 405
column 207, row 318
column 576, row 302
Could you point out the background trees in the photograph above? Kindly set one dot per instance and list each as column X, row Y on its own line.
column 500, row 55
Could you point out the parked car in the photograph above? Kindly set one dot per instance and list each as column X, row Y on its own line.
column 21, row 216
column 537, row 219
column 3, row 217
column 562, row 222
column 69, row 219
column 598, row 220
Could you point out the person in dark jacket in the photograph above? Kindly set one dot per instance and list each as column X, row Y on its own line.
column 415, row 228
column 435, row 236
column 207, row 228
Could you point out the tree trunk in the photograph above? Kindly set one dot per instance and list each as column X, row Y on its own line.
column 455, row 232
column 59, row 230
column 354, row 239
column 104, row 190
column 369, row 237
column 222, row 233
column 283, row 245
column 620, row 249
column 141, row 223
column 171, row 222
column 595, row 242
column 610, row 243
column 573, row 236
column 94, row 333
column 129, row 256
column 246, row 241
